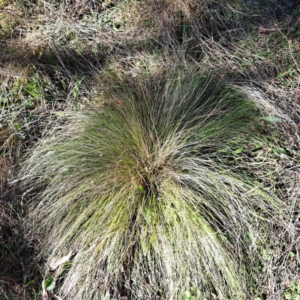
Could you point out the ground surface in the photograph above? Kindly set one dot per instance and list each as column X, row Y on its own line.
column 55, row 55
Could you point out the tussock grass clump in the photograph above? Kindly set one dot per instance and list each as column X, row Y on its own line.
column 141, row 193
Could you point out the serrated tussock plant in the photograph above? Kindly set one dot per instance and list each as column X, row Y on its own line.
column 141, row 193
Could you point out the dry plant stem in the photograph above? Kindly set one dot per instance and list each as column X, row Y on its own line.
column 141, row 194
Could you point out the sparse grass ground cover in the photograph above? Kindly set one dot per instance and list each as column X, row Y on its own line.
column 58, row 56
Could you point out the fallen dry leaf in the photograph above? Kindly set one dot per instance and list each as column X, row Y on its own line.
column 57, row 261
